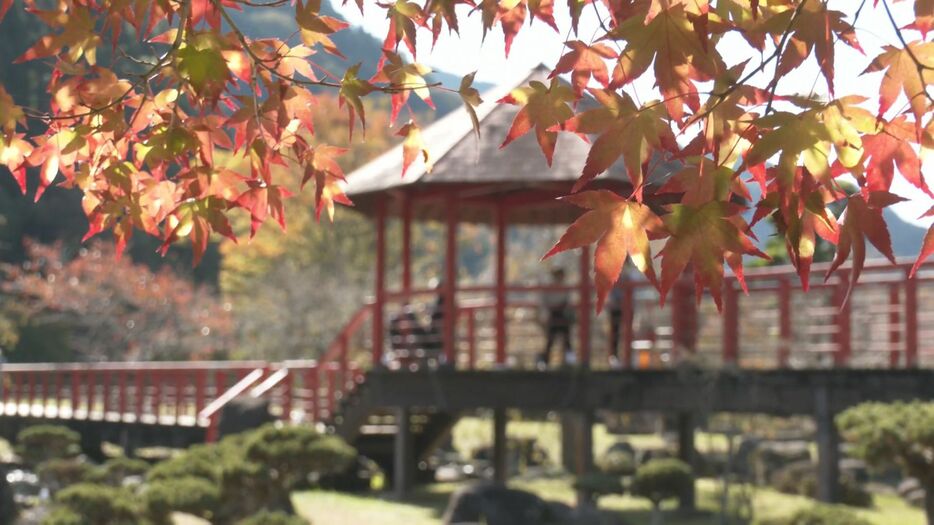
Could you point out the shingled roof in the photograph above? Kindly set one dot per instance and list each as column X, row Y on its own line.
column 480, row 168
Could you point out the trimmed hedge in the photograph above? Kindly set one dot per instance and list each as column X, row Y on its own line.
column 273, row 518
column 819, row 515
column 98, row 504
column 661, row 479
column 194, row 496
column 115, row 470
column 39, row 443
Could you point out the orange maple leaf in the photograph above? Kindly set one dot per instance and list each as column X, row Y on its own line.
column 584, row 62
column 620, row 228
column 543, row 108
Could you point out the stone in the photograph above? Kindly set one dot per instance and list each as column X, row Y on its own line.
column 242, row 414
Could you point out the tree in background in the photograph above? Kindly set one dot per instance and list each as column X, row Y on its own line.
column 895, row 433
column 659, row 480
column 100, row 308
column 140, row 131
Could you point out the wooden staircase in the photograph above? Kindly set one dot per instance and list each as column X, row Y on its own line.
column 371, row 427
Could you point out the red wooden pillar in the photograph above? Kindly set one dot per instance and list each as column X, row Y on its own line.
column 287, row 385
column 627, row 332
column 450, row 281
column 895, row 329
column 730, row 337
column 500, row 284
column 106, row 380
column 683, row 316
column 312, row 407
column 407, row 247
column 584, row 291
column 75, row 391
column 380, row 281
column 842, row 356
column 122, row 399
column 784, row 322
column 471, row 338
column 57, row 392
column 200, row 386
column 157, row 393
column 911, row 322
column 180, row 385
column 139, row 392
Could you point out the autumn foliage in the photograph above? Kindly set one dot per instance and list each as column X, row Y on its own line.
column 141, row 137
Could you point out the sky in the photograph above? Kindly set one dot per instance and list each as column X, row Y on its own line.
column 539, row 43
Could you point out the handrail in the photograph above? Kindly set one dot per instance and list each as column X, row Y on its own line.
column 274, row 380
column 237, row 389
column 122, row 366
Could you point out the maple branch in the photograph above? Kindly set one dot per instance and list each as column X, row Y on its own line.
column 721, row 97
column 911, row 54
column 773, row 86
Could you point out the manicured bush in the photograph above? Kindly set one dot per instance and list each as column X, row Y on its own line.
column 199, row 461
column 195, row 496
column 662, row 479
column 99, row 504
column 63, row 516
column 598, row 484
column 273, row 518
column 818, row 515
column 40, row 443
column 63, row 472
column 618, row 462
column 116, row 470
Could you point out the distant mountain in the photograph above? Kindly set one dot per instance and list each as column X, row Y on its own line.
column 356, row 44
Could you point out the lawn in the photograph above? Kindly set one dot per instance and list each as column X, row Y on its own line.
column 426, row 505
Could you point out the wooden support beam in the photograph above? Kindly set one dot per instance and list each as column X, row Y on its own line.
column 380, row 283
column 686, row 453
column 730, row 332
column 584, row 308
column 784, row 322
column 500, row 447
column 406, row 245
column 450, row 282
column 828, row 448
column 501, row 232
column 911, row 322
column 403, row 470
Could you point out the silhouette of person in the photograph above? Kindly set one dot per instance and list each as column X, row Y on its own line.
column 559, row 317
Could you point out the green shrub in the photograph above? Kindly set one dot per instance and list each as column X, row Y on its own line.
column 273, row 518
column 99, row 504
column 599, row 484
column 801, row 479
column 63, row 516
column 617, row 462
column 60, row 473
column 114, row 471
column 194, row 496
column 661, row 479
column 818, row 514
column 294, row 451
column 199, row 461
column 39, row 443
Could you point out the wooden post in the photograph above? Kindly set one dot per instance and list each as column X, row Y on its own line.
column 583, row 352
column 583, row 452
column 686, row 453
column 287, row 385
column 471, row 338
column 122, row 393
column 683, row 316
column 75, row 391
column 895, row 328
column 501, row 233
column 450, row 282
column 407, row 247
column 627, row 330
column 156, row 378
column 911, row 322
column 784, row 322
column 106, row 382
column 842, row 356
column 730, row 323
column 403, row 454
column 311, row 386
column 180, row 385
column 200, row 386
column 139, row 386
column 380, row 281
column 828, row 451
column 500, row 446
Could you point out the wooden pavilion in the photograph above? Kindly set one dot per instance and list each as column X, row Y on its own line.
column 474, row 180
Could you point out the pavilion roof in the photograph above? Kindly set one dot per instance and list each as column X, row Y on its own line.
column 479, row 167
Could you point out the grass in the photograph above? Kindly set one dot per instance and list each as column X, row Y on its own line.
column 427, row 504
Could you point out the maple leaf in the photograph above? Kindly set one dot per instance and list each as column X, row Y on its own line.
column 585, row 62
column 624, row 130
column 902, row 75
column 697, row 7
column 471, row 98
column 620, row 228
column 511, row 15
column 5, row 6
column 351, row 92
column 196, row 220
column 13, row 154
column 56, row 153
column 703, row 236
column 680, row 59
column 443, row 12
column 404, row 79
column 317, row 29
column 404, row 17
column 413, row 146
column 263, row 200
column 10, row 113
column 543, row 107
column 863, row 218
column 924, row 17
column 321, row 165
column 201, row 63
column 927, row 245
column 889, row 148
column 815, row 30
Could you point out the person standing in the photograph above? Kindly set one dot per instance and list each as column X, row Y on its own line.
column 558, row 316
